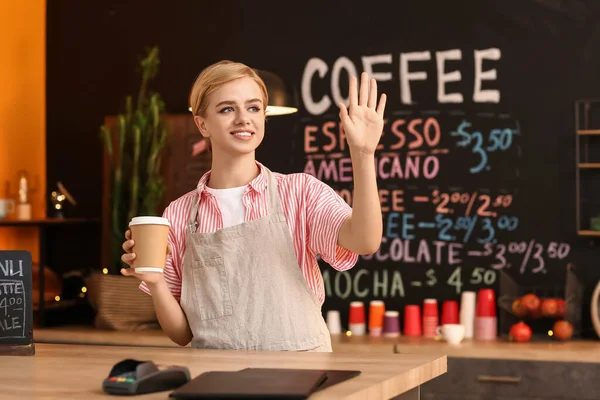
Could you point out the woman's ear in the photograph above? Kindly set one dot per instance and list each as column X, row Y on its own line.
column 201, row 124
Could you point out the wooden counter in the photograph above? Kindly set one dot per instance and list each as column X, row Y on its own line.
column 157, row 338
column 570, row 351
column 85, row 335
column 76, row 371
column 500, row 370
column 576, row 351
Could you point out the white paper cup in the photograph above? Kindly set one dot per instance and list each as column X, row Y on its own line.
column 334, row 323
column 467, row 313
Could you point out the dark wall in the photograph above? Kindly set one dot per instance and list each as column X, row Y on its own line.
column 549, row 60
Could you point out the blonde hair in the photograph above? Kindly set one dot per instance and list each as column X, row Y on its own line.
column 217, row 75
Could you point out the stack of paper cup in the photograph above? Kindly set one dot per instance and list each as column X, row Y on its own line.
column 486, row 324
column 391, row 324
column 376, row 312
column 356, row 321
column 467, row 313
column 333, row 322
column 430, row 317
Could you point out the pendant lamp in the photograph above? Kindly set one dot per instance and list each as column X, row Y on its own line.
column 281, row 99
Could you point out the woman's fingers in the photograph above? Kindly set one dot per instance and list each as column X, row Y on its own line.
column 128, row 258
column 127, row 271
column 364, row 89
column 372, row 94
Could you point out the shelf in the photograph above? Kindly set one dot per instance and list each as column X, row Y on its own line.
column 589, row 165
column 589, row 233
column 49, row 221
column 55, row 305
column 586, row 161
column 589, row 132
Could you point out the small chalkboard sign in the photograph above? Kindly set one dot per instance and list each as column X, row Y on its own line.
column 16, row 310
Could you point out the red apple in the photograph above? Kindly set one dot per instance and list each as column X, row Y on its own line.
column 531, row 302
column 518, row 308
column 520, row 332
column 563, row 330
column 549, row 307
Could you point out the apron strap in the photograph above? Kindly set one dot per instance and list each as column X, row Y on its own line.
column 193, row 221
column 273, row 200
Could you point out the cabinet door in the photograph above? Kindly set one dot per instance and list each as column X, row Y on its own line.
column 460, row 381
column 515, row 379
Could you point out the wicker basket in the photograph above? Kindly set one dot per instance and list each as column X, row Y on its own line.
column 571, row 291
column 120, row 304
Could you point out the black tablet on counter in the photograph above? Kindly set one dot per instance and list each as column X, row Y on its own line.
column 260, row 383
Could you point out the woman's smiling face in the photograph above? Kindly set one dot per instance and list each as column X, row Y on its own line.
column 235, row 117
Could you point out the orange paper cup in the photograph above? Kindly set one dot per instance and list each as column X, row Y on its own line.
column 376, row 314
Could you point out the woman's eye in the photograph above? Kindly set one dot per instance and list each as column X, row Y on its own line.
column 226, row 109
column 254, row 108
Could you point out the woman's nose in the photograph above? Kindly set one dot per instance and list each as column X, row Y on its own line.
column 243, row 117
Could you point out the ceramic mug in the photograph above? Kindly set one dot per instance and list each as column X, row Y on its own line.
column 6, row 207
column 452, row 333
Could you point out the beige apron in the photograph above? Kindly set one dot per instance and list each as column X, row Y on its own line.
column 242, row 287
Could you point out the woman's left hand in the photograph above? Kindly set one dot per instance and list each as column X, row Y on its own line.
column 363, row 120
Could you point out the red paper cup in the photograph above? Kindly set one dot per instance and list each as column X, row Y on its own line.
column 356, row 320
column 430, row 308
column 486, row 303
column 450, row 312
column 357, row 313
column 430, row 317
column 412, row 320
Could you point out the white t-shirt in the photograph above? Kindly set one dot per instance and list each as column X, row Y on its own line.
column 231, row 204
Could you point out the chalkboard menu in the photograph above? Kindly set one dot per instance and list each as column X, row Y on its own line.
column 16, row 311
column 460, row 202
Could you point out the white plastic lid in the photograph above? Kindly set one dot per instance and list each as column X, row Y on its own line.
column 376, row 302
column 149, row 221
column 356, row 304
column 429, row 301
column 392, row 313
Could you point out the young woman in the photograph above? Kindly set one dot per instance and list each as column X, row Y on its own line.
column 242, row 269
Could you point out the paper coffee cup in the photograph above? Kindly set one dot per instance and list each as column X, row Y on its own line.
column 150, row 237
column 334, row 323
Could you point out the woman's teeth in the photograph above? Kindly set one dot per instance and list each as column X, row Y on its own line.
column 248, row 134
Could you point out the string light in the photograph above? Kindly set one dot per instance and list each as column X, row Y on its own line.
column 105, row 271
column 57, row 298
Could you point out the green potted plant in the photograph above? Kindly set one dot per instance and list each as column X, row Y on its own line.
column 595, row 223
column 134, row 142
column 136, row 184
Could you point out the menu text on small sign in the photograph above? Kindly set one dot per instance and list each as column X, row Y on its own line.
column 16, row 311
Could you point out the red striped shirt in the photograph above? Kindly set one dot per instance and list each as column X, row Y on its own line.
column 314, row 213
